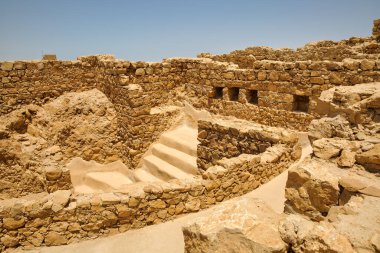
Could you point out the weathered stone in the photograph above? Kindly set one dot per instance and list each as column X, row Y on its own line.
column 245, row 226
column 375, row 241
column 370, row 159
column 261, row 76
column 53, row 173
column 347, row 158
column 7, row 66
column 13, row 223
column 54, row 238
column 228, row 75
column 140, row 72
column 372, row 190
column 311, row 189
column 327, row 148
column 193, row 205
column 317, row 80
column 367, row 65
column 60, row 199
column 357, row 222
column 352, row 184
column 306, row 236
column 159, row 204
column 9, row 241
column 329, row 128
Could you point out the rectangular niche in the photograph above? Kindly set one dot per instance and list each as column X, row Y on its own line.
column 218, row 92
column 252, row 97
column 233, row 93
column 301, row 103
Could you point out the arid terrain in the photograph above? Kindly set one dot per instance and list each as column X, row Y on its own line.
column 257, row 150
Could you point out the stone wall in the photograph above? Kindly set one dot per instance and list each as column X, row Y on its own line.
column 123, row 82
column 24, row 82
column 354, row 48
column 61, row 218
column 219, row 138
column 376, row 29
column 136, row 87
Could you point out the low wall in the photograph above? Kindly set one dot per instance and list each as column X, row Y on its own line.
column 24, row 82
column 219, row 138
column 61, row 218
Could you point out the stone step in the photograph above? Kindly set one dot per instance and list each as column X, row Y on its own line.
column 162, row 169
column 106, row 181
column 181, row 160
column 85, row 189
column 182, row 142
column 143, row 175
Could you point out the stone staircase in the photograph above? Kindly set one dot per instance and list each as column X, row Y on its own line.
column 172, row 157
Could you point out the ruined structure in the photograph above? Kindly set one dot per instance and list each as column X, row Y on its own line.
column 99, row 146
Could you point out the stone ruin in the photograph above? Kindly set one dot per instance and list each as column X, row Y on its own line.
column 98, row 146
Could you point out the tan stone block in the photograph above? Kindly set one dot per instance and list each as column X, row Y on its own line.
column 140, row 72
column 261, row 76
column 159, row 204
column 179, row 208
column 317, row 80
column 229, row 75
column 274, row 76
column 162, row 214
column 193, row 205
column 7, row 66
column 53, row 173
column 9, row 241
column 5, row 80
column 54, row 238
column 124, row 211
column 367, row 65
column 36, row 239
column 12, row 223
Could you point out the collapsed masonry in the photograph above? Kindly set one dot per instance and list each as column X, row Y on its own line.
column 181, row 135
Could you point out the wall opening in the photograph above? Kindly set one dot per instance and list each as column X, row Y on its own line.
column 218, row 92
column 233, row 94
column 301, row 103
column 252, row 97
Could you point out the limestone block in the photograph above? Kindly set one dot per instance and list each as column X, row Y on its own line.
column 261, row 76
column 140, row 72
column 370, row 159
column 317, row 80
column 367, row 65
column 311, row 189
column 9, row 241
column 7, row 66
column 53, row 238
column 13, row 223
column 357, row 222
column 60, row 199
column 53, row 173
column 329, row 128
column 229, row 75
column 19, row 65
column 247, row 225
column 306, row 236
column 327, row 148
column 347, row 158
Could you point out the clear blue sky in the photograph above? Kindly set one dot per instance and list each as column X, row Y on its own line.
column 154, row 29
